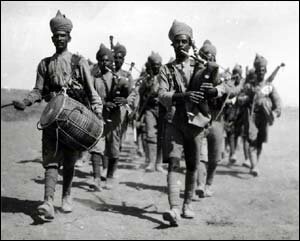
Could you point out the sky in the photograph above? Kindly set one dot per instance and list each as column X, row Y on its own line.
column 239, row 30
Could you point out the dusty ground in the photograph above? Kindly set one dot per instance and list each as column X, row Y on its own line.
column 243, row 207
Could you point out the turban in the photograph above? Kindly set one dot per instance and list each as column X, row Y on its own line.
column 180, row 28
column 154, row 57
column 260, row 61
column 60, row 23
column 208, row 47
column 119, row 48
column 104, row 51
column 237, row 69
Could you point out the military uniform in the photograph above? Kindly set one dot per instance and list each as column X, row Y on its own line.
column 63, row 69
column 109, row 86
column 261, row 99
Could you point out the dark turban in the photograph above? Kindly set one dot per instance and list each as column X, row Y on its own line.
column 104, row 51
column 60, row 23
column 237, row 69
column 154, row 57
column 119, row 48
column 208, row 47
column 260, row 61
column 180, row 28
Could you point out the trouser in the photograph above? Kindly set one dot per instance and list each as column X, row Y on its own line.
column 56, row 154
column 153, row 154
column 255, row 146
column 213, row 146
column 112, row 150
column 96, row 159
column 185, row 138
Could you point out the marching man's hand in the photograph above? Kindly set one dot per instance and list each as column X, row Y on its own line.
column 194, row 96
column 120, row 101
column 209, row 90
column 110, row 105
column 277, row 113
column 21, row 105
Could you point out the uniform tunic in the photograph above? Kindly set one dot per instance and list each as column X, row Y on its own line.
column 108, row 88
column 179, row 135
column 53, row 73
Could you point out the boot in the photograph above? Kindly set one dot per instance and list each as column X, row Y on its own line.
column 247, row 163
column 97, row 184
column 159, row 168
column 172, row 216
column 46, row 210
column 208, row 191
column 187, row 211
column 253, row 160
column 190, row 183
column 67, row 204
column 201, row 179
column 151, row 156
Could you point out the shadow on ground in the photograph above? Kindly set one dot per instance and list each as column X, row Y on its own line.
column 144, row 186
column 238, row 173
column 28, row 207
column 36, row 160
column 123, row 209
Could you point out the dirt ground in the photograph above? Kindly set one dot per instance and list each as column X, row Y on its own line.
column 243, row 207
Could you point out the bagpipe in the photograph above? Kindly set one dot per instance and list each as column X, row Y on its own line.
column 205, row 72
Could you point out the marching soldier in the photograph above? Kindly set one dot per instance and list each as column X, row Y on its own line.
column 181, row 136
column 113, row 91
column 213, row 143
column 233, row 116
column 63, row 69
column 119, row 58
column 148, row 92
column 262, row 100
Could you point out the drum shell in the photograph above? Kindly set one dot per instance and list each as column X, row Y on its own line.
column 76, row 126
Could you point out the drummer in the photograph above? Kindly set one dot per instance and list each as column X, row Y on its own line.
column 62, row 69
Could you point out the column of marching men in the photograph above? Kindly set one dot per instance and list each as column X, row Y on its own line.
column 189, row 110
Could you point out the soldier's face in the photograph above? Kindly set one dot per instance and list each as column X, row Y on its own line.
column 104, row 62
column 206, row 55
column 236, row 77
column 181, row 42
column 155, row 66
column 119, row 60
column 260, row 72
column 61, row 39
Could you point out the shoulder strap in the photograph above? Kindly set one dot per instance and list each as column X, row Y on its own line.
column 46, row 87
column 172, row 80
column 74, row 64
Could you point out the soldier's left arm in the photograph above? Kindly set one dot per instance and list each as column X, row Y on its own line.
column 95, row 99
column 276, row 101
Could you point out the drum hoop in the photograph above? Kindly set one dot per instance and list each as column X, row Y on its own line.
column 59, row 112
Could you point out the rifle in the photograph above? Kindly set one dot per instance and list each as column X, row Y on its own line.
column 274, row 73
column 111, row 41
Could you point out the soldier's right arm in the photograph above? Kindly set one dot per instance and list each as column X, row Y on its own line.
column 165, row 95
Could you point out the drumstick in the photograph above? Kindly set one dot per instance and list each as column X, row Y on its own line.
column 2, row 106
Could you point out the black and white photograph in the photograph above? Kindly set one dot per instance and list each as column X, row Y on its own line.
column 149, row 120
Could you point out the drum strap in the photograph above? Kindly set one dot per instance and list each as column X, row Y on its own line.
column 56, row 144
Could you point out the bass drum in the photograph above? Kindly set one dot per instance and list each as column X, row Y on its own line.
column 76, row 126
